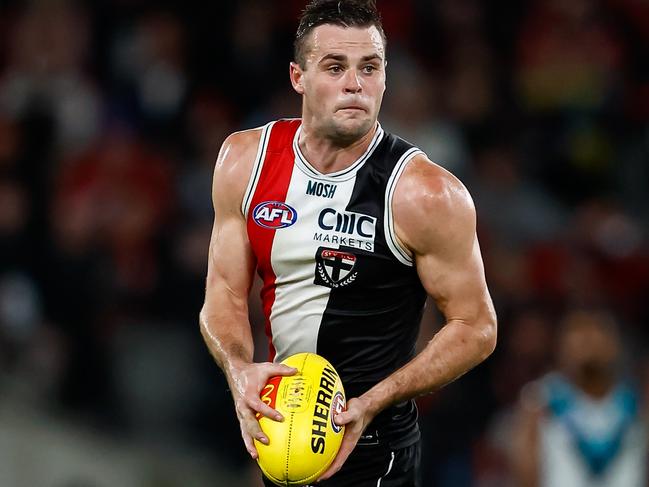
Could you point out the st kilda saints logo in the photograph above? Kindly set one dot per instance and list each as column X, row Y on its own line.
column 334, row 268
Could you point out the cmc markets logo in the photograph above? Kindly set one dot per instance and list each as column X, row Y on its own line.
column 347, row 223
column 274, row 215
column 346, row 229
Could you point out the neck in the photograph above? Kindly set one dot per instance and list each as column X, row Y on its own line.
column 595, row 385
column 328, row 155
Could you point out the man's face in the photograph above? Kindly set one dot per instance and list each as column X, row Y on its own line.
column 587, row 346
column 342, row 82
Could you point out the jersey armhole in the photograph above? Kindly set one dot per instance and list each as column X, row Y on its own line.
column 402, row 254
column 256, row 169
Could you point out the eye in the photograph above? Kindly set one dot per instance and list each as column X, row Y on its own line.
column 369, row 69
column 335, row 69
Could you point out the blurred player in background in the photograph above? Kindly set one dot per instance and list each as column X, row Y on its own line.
column 581, row 426
column 350, row 228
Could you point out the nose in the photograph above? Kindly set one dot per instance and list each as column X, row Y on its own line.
column 352, row 82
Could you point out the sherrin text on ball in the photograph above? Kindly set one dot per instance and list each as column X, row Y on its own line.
column 302, row 446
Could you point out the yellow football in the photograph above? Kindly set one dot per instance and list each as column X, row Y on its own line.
column 302, row 446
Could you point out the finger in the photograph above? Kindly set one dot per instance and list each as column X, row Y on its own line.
column 280, row 369
column 250, row 426
column 346, row 448
column 264, row 409
column 250, row 445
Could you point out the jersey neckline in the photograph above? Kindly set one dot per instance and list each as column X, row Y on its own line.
column 342, row 175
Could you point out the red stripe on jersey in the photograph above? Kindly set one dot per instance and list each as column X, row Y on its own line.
column 272, row 187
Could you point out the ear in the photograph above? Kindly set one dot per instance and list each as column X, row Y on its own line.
column 297, row 77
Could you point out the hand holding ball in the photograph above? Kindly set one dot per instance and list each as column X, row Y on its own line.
column 303, row 446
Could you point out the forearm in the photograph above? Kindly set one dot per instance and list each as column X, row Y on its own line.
column 454, row 350
column 227, row 334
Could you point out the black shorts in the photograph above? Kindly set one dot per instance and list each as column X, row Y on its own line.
column 376, row 465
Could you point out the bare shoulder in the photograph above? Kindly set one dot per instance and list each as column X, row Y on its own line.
column 234, row 165
column 431, row 207
column 531, row 397
column 531, row 407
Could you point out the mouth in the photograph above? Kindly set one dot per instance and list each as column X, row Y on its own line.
column 353, row 108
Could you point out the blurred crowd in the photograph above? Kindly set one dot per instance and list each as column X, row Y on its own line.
column 111, row 116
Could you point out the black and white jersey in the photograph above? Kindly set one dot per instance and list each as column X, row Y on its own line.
column 337, row 282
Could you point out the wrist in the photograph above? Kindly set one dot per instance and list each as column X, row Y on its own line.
column 234, row 370
column 373, row 402
column 236, row 358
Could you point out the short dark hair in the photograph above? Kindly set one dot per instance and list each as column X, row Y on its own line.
column 345, row 13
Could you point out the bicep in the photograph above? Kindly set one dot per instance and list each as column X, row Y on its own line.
column 231, row 262
column 224, row 316
column 452, row 273
column 435, row 219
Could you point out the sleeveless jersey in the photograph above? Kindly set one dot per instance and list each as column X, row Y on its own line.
column 591, row 443
column 336, row 280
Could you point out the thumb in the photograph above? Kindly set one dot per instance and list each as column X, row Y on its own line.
column 344, row 418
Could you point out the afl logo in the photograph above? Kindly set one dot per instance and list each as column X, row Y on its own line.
column 274, row 215
column 337, row 407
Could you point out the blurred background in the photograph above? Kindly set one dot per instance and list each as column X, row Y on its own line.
column 111, row 116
